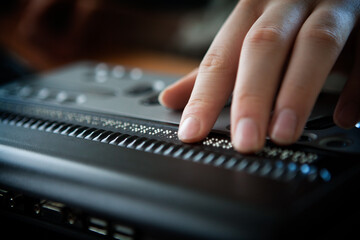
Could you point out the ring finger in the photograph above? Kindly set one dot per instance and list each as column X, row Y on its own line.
column 319, row 43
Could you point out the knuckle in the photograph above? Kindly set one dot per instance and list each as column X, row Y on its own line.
column 306, row 92
column 256, row 99
column 217, row 59
column 265, row 35
column 324, row 36
column 326, row 30
column 249, row 106
column 199, row 104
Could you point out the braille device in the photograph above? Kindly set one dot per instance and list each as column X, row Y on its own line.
column 87, row 149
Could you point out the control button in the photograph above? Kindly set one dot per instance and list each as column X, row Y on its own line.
column 158, row 85
column 118, row 72
column 136, row 74
column 325, row 175
column 101, row 72
column 43, row 93
column 61, row 96
column 335, row 142
column 80, row 99
column 25, row 91
column 150, row 101
column 140, row 89
column 101, row 69
column 65, row 97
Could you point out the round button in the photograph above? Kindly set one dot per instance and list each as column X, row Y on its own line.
column 140, row 89
column 158, row 85
column 136, row 74
column 101, row 69
column 25, row 91
column 43, row 93
column 61, row 96
column 118, row 72
column 80, row 99
column 101, row 73
column 151, row 101
column 335, row 142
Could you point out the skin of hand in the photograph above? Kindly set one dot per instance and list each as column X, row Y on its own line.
column 274, row 57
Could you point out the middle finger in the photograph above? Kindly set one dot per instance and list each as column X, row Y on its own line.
column 262, row 59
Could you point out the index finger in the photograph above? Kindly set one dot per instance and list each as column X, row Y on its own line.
column 216, row 75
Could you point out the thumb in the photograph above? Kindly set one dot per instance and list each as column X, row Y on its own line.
column 177, row 95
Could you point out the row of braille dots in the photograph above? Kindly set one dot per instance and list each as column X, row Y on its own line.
column 277, row 170
column 218, row 143
column 286, row 154
column 140, row 128
column 267, row 152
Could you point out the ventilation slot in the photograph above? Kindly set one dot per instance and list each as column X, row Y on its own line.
column 119, row 139
column 94, row 134
column 101, row 136
column 110, row 137
column 77, row 131
column 86, row 133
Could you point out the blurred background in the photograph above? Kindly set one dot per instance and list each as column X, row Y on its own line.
column 160, row 35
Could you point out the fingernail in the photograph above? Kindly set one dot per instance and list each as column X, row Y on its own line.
column 285, row 127
column 161, row 96
column 189, row 129
column 246, row 137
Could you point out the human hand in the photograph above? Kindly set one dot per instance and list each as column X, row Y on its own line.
column 274, row 57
